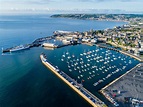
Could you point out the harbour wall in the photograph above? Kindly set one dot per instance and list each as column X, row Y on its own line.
column 104, row 88
column 118, row 78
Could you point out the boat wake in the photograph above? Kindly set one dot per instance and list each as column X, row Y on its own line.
column 7, row 54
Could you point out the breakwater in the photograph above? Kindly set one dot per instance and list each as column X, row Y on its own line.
column 35, row 43
column 38, row 42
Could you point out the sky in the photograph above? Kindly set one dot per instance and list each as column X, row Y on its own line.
column 49, row 6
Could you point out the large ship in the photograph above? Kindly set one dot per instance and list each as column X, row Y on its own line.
column 50, row 45
column 20, row 47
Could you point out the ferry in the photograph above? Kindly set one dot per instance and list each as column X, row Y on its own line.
column 20, row 47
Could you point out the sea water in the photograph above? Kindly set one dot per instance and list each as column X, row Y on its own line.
column 26, row 82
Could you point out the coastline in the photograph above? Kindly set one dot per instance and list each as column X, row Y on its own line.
column 93, row 19
column 121, row 51
column 40, row 51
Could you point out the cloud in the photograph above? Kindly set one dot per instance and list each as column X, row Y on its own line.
column 40, row 1
column 51, row 5
column 26, row 1
column 108, row 0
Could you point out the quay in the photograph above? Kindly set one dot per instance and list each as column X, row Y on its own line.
column 88, row 96
column 102, row 91
column 118, row 78
column 127, row 91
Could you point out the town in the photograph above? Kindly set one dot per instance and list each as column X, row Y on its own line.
column 127, row 37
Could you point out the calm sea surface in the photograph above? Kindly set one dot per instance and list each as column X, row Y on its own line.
column 26, row 82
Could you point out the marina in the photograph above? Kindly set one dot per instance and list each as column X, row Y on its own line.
column 89, row 97
column 90, row 64
column 94, row 66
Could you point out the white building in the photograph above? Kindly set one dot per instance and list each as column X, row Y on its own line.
column 94, row 40
column 65, row 41
column 85, row 40
column 50, row 45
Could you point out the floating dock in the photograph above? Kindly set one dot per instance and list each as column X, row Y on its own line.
column 89, row 97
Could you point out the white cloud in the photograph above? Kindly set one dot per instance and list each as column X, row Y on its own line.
column 61, row 5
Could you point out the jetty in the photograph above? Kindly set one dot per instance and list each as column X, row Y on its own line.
column 88, row 96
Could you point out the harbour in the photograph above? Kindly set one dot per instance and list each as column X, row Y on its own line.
column 90, row 55
column 41, row 77
column 79, row 64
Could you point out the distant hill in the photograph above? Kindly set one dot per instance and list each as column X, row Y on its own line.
column 124, row 17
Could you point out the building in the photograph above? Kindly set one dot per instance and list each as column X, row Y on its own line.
column 50, row 45
column 62, row 32
column 141, row 44
column 94, row 40
column 85, row 40
column 66, row 41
